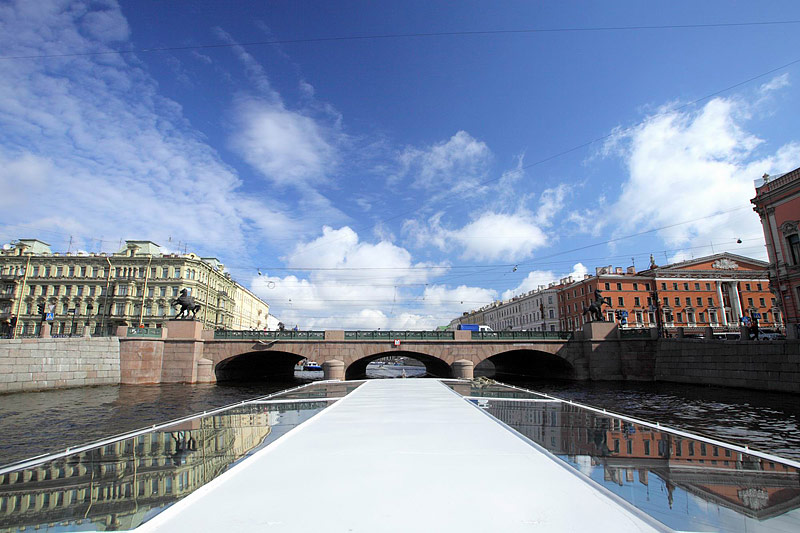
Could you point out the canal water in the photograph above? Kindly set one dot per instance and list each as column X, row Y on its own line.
column 34, row 423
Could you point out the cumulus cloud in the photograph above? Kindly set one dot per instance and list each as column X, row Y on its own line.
column 692, row 164
column 344, row 282
column 493, row 235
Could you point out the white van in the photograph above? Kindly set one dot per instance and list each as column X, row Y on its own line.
column 484, row 328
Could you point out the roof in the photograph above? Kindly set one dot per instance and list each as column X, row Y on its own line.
column 142, row 248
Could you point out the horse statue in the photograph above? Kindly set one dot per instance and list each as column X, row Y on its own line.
column 187, row 305
column 595, row 308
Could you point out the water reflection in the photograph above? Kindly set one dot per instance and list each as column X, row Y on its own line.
column 685, row 483
column 122, row 484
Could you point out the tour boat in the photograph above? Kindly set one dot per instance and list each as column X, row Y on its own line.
column 311, row 365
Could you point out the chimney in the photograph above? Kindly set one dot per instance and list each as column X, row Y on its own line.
column 619, row 270
column 632, row 270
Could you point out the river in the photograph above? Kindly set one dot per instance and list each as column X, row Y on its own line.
column 33, row 423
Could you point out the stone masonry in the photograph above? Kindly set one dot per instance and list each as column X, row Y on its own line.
column 33, row 364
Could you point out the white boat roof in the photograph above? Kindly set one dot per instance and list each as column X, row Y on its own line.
column 401, row 455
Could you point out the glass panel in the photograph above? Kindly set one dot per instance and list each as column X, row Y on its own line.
column 125, row 483
column 686, row 483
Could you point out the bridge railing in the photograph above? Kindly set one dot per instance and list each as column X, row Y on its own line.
column 402, row 335
column 270, row 335
column 144, row 332
column 635, row 333
column 391, row 335
column 521, row 335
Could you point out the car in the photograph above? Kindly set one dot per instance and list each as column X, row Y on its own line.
column 771, row 336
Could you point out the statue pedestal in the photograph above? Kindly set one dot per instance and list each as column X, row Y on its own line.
column 184, row 329
column 600, row 331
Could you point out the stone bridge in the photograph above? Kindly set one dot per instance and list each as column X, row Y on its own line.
column 184, row 353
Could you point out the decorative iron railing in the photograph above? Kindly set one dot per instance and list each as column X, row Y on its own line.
column 402, row 335
column 144, row 332
column 270, row 335
column 521, row 335
column 636, row 333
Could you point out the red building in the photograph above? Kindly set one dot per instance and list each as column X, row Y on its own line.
column 720, row 291
column 777, row 202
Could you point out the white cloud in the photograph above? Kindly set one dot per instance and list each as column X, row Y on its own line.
column 287, row 147
column 494, row 235
column 688, row 165
column 778, row 82
column 346, row 283
column 456, row 165
column 88, row 145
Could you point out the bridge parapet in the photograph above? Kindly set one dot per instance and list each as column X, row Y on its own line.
column 359, row 335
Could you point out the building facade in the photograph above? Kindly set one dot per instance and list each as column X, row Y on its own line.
column 133, row 287
column 723, row 291
column 536, row 310
column 777, row 202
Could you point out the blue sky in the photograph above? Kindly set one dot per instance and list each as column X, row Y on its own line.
column 395, row 181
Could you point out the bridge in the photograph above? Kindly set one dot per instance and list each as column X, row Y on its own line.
column 184, row 352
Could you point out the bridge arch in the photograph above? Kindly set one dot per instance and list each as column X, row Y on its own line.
column 258, row 366
column 434, row 367
column 526, row 363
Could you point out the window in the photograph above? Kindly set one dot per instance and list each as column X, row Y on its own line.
column 666, row 300
column 761, row 302
column 686, row 286
column 119, row 309
column 177, row 273
column 608, row 286
column 150, row 292
column 163, row 291
column 674, row 286
column 758, row 286
column 680, row 317
column 711, row 302
column 747, row 286
column 551, row 314
column 122, row 290
column 663, row 286
column 175, row 291
column 621, row 301
column 794, row 248
column 688, row 302
column 56, row 289
column 699, row 301
column 71, row 271
column 636, row 286
column 647, row 286
column 79, row 290
column 619, row 286
column 750, row 302
column 677, row 302
column 697, row 286
column 636, row 302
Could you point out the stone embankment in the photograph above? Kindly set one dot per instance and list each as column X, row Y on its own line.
column 34, row 364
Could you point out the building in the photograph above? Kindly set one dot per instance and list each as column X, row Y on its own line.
column 777, row 202
column 722, row 291
column 536, row 310
column 132, row 287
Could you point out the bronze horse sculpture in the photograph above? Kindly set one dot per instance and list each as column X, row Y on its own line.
column 187, row 305
column 595, row 308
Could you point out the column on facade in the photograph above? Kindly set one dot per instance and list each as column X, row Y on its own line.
column 736, row 304
column 724, row 317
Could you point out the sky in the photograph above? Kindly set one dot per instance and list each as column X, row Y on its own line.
column 390, row 165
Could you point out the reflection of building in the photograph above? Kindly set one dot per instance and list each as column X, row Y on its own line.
column 134, row 286
column 114, row 486
column 716, row 290
column 777, row 202
column 630, row 453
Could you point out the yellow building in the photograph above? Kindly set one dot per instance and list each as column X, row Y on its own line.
column 135, row 286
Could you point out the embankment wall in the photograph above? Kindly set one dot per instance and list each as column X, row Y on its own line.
column 761, row 365
column 34, row 364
